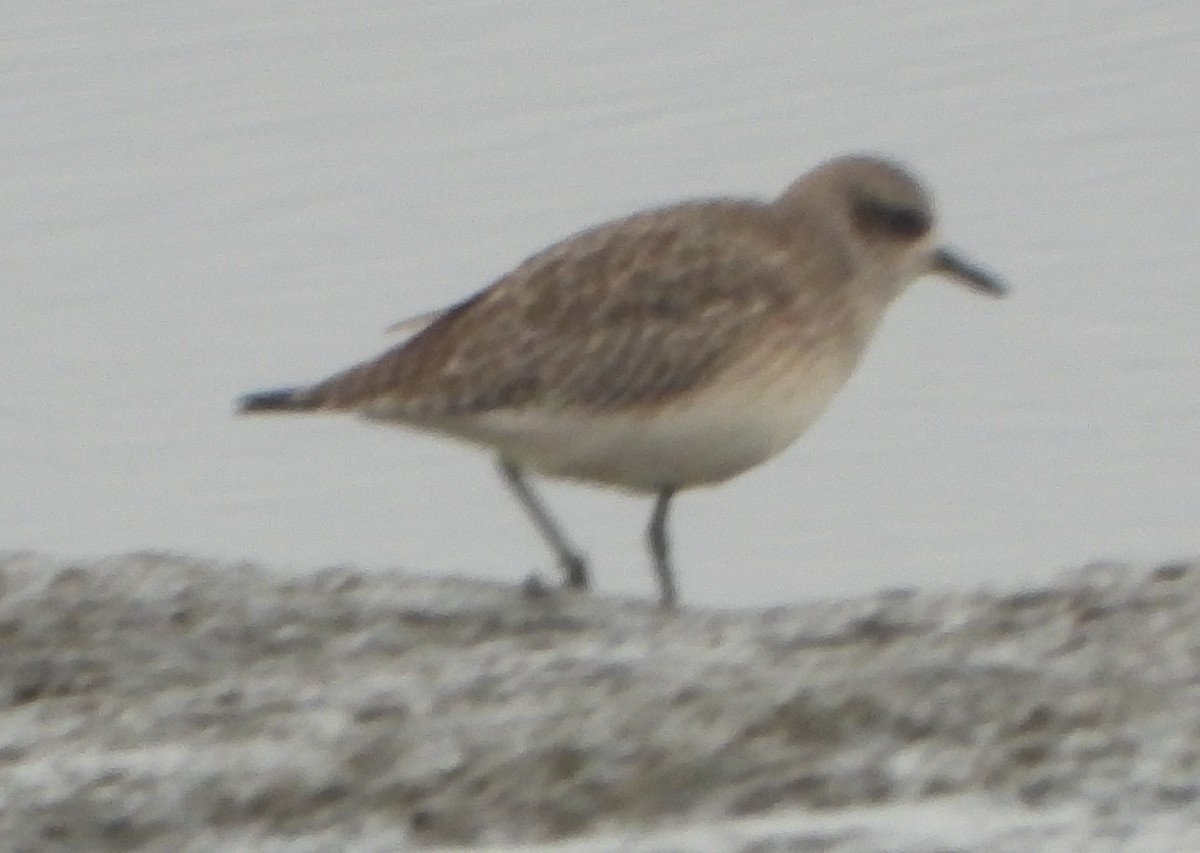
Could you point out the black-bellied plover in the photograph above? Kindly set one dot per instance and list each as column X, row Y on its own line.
column 673, row 348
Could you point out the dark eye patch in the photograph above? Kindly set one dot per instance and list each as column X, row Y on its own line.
column 874, row 214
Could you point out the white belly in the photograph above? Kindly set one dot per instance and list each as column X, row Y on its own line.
column 706, row 437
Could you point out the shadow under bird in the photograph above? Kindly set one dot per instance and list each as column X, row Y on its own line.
column 673, row 348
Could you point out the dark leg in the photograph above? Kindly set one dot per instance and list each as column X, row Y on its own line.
column 573, row 565
column 660, row 549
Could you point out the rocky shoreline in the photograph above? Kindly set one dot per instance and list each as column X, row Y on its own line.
column 152, row 702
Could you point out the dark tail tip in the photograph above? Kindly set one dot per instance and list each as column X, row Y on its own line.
column 279, row 400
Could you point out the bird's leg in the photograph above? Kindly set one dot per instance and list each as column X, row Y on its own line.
column 656, row 535
column 573, row 564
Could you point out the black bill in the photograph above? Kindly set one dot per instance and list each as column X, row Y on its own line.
column 949, row 264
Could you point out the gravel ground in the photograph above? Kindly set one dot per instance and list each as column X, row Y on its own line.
column 159, row 703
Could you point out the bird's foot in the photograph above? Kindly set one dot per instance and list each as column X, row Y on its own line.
column 574, row 570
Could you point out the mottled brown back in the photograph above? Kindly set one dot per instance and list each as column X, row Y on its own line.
column 622, row 315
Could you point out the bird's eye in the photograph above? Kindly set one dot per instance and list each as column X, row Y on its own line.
column 874, row 214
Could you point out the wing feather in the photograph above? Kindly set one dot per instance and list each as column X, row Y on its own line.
column 619, row 316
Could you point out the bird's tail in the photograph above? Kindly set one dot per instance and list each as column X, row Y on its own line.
column 279, row 400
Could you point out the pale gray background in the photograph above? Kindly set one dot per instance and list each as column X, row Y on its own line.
column 203, row 198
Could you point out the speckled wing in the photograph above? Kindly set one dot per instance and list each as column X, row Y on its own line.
column 617, row 317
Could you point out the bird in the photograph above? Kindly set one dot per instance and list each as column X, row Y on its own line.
column 670, row 349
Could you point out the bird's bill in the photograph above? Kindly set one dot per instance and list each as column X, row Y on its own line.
column 949, row 264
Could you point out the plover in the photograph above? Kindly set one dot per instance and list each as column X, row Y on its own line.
column 673, row 348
